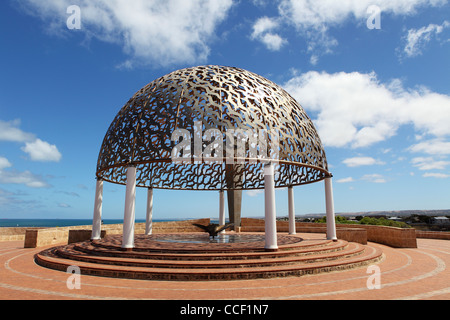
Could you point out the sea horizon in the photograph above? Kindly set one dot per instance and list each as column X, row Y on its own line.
column 49, row 223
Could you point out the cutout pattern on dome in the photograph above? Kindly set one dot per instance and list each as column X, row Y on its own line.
column 222, row 98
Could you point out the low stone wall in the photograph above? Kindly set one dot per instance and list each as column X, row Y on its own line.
column 12, row 234
column 352, row 235
column 82, row 235
column 443, row 235
column 35, row 238
column 394, row 237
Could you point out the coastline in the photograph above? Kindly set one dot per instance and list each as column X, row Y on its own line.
column 53, row 223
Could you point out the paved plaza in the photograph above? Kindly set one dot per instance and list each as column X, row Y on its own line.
column 412, row 274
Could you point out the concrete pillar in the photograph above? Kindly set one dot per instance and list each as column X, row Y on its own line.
column 270, row 209
column 233, row 177
column 331, row 223
column 97, row 219
column 222, row 209
column 291, row 210
column 129, row 212
column 149, row 217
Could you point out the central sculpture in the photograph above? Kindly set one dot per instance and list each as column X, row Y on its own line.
column 213, row 228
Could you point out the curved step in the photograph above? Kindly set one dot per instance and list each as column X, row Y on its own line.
column 368, row 255
column 292, row 258
column 326, row 246
column 149, row 244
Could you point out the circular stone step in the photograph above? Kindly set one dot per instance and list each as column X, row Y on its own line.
column 290, row 257
column 300, row 250
column 159, row 260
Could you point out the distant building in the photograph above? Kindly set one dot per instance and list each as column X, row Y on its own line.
column 441, row 220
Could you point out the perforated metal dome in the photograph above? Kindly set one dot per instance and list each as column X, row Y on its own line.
column 222, row 98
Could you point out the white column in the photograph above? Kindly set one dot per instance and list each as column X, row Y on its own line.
column 222, row 209
column 149, row 220
column 97, row 220
column 270, row 210
column 331, row 224
column 291, row 210
column 129, row 214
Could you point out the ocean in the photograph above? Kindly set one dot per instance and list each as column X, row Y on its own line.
column 48, row 223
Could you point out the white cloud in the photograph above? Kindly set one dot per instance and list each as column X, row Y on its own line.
column 345, row 180
column 272, row 41
column 26, row 178
column 161, row 32
column 42, row 151
column 361, row 161
column 357, row 110
column 313, row 19
column 9, row 131
column 436, row 175
column 4, row 163
column 375, row 178
column 434, row 147
column 314, row 59
column 254, row 193
column 37, row 149
column 263, row 31
column 15, row 201
column 429, row 163
column 416, row 39
column 315, row 14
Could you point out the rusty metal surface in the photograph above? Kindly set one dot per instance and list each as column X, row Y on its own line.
column 222, row 98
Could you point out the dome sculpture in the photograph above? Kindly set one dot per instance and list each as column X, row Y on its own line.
column 212, row 128
column 223, row 98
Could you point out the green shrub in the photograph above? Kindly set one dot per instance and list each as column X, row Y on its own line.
column 367, row 221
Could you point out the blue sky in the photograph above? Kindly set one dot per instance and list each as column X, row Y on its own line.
column 379, row 98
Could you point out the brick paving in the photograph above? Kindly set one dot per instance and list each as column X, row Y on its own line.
column 405, row 274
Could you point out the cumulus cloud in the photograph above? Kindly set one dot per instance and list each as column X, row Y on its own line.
column 26, row 178
column 361, row 161
column 263, row 30
column 37, row 149
column 345, row 180
column 313, row 19
column 429, row 163
column 4, row 163
column 357, row 110
column 433, row 146
column 64, row 205
column 42, row 151
column 436, row 175
column 9, row 131
column 416, row 39
column 319, row 14
column 374, row 178
column 161, row 32
column 254, row 193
